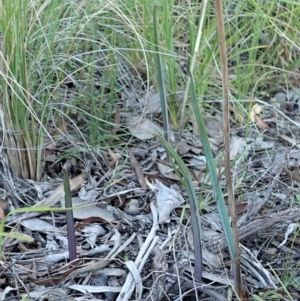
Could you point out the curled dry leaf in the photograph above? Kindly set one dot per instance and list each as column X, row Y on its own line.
column 5, row 292
column 142, row 128
column 92, row 232
column 114, row 158
column 136, row 277
column 167, row 200
column 55, row 258
column 291, row 228
column 97, row 250
column 254, row 116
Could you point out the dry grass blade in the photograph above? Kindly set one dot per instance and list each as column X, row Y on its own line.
column 137, row 278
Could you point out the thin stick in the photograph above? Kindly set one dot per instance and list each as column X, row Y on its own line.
column 144, row 253
column 226, row 125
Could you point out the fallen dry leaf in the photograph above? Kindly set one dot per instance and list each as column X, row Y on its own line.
column 114, row 158
column 87, row 210
column 214, row 126
column 142, row 128
column 153, row 104
column 167, row 200
column 137, row 169
column 59, row 192
column 167, row 171
column 254, row 117
column 260, row 123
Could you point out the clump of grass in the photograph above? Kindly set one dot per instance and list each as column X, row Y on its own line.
column 64, row 62
column 52, row 48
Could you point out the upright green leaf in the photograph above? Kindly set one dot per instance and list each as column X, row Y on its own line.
column 194, row 208
column 217, row 192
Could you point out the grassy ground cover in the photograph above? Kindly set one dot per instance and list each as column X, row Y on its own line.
column 81, row 85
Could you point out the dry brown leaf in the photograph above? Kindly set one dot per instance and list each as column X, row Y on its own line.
column 167, row 171
column 142, row 128
column 295, row 175
column 260, row 123
column 59, row 192
column 86, row 210
column 87, row 221
column 114, row 158
column 214, row 126
column 137, row 169
column 153, row 177
column 254, row 117
column 182, row 147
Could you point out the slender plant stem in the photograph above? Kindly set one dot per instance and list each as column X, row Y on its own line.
column 226, row 125
column 69, row 217
column 161, row 80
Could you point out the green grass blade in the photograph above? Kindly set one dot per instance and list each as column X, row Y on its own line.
column 217, row 192
column 160, row 74
column 189, row 186
column 18, row 236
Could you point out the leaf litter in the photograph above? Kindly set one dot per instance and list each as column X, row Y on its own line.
column 133, row 230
